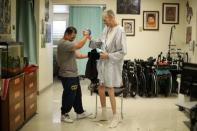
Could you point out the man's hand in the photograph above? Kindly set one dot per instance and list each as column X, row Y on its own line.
column 80, row 56
column 104, row 55
column 86, row 34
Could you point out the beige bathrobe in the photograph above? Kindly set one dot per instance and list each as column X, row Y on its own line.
column 112, row 41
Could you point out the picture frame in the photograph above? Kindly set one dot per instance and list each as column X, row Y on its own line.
column 129, row 26
column 48, row 33
column 46, row 10
column 5, row 14
column 189, row 12
column 151, row 20
column 170, row 13
column 188, row 34
column 128, row 6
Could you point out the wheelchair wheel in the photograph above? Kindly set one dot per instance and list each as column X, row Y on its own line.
column 133, row 85
column 157, row 85
column 125, row 84
column 168, row 92
column 164, row 84
column 194, row 128
column 153, row 85
column 142, row 84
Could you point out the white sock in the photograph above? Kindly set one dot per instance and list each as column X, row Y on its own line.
column 115, row 116
column 104, row 109
column 104, row 113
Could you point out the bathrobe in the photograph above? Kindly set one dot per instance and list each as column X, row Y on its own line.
column 112, row 41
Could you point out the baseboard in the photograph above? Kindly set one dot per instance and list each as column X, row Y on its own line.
column 44, row 89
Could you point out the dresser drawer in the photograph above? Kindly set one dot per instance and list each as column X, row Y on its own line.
column 30, row 105
column 16, row 108
column 30, row 83
column 16, row 89
column 17, row 121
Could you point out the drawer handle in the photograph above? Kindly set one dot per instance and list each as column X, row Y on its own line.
column 17, row 118
column 31, row 85
column 31, row 96
column 17, row 106
column 17, row 94
column 16, row 81
column 32, row 106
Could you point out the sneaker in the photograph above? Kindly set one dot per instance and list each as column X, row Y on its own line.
column 83, row 115
column 66, row 118
column 115, row 121
column 102, row 117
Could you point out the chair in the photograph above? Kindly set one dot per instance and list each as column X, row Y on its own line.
column 93, row 87
column 91, row 73
column 162, row 75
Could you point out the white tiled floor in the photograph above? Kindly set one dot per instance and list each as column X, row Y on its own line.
column 140, row 114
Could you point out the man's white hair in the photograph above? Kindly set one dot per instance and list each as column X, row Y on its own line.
column 109, row 13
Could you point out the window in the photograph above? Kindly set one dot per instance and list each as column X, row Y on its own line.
column 58, row 29
column 60, row 21
column 60, row 9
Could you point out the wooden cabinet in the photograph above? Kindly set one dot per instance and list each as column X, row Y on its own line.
column 20, row 103
column 12, row 109
column 30, row 94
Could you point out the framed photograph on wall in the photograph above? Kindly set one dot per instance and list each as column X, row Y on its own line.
column 150, row 20
column 48, row 33
column 128, row 6
column 46, row 10
column 188, row 34
column 170, row 13
column 5, row 17
column 129, row 26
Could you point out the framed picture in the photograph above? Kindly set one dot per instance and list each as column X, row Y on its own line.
column 188, row 34
column 129, row 26
column 43, row 45
column 189, row 12
column 170, row 12
column 5, row 17
column 151, row 20
column 46, row 10
column 48, row 33
column 128, row 6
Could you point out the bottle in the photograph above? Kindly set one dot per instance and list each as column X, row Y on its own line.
column 88, row 30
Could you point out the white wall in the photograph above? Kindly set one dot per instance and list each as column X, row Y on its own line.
column 193, row 23
column 142, row 45
column 145, row 43
column 45, row 55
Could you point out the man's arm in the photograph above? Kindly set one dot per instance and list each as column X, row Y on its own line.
column 80, row 56
column 82, row 42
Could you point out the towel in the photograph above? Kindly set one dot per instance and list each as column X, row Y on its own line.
column 4, row 90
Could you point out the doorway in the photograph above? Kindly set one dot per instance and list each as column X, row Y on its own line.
column 81, row 17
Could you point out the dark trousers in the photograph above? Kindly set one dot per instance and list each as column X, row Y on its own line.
column 71, row 96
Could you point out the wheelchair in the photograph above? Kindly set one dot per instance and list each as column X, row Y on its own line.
column 141, row 77
column 163, row 79
column 130, row 79
column 149, row 71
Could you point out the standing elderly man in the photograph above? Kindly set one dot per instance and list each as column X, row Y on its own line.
column 113, row 49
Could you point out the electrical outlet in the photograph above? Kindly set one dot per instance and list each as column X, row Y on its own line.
column 140, row 29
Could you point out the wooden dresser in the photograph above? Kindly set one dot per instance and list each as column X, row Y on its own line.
column 21, row 102
column 30, row 94
column 12, row 108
